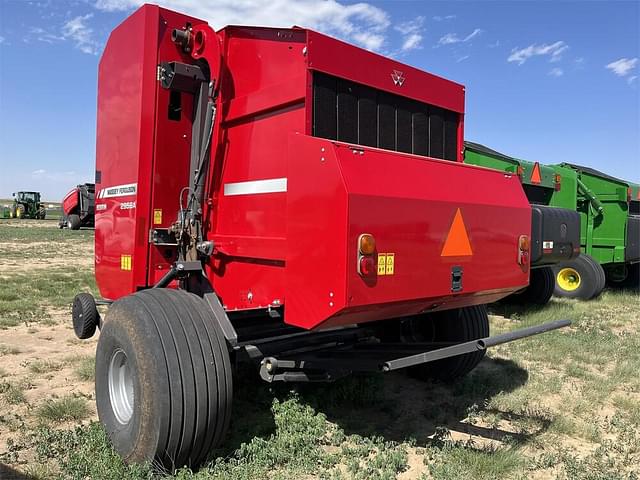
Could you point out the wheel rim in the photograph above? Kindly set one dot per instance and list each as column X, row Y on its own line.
column 121, row 387
column 568, row 279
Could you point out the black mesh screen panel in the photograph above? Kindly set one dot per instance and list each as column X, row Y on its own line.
column 325, row 119
column 347, row 112
column 354, row 113
column 436, row 132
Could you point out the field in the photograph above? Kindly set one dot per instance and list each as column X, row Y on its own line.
column 562, row 405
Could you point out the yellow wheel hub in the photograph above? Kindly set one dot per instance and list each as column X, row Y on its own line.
column 568, row 279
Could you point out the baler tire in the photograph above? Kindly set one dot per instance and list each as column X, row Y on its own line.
column 460, row 325
column 588, row 281
column 630, row 281
column 181, row 378
column 633, row 276
column 85, row 316
column 601, row 275
column 540, row 289
column 73, row 222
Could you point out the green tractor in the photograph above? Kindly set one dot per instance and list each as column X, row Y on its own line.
column 27, row 205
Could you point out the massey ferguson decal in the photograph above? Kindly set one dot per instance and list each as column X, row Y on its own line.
column 118, row 191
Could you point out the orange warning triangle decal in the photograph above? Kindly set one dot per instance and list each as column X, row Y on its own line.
column 457, row 243
column 535, row 174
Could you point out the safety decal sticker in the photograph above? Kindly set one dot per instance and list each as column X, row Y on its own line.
column 157, row 216
column 547, row 245
column 125, row 262
column 386, row 263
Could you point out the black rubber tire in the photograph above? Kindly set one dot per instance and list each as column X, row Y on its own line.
column 458, row 325
column 85, row 316
column 42, row 213
column 181, row 374
column 632, row 280
column 540, row 290
column 73, row 222
column 590, row 278
column 602, row 277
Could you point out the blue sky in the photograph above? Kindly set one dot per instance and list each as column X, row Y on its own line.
column 547, row 81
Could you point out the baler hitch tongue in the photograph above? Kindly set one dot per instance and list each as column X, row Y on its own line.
column 338, row 358
column 472, row 346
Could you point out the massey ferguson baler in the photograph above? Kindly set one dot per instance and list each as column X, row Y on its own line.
column 280, row 197
column 78, row 207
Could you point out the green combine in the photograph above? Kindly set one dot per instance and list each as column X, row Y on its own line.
column 609, row 211
column 27, row 205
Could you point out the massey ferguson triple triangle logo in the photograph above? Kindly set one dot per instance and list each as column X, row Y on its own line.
column 398, row 78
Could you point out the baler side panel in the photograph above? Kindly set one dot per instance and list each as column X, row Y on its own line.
column 124, row 148
column 604, row 236
column 263, row 90
column 317, row 221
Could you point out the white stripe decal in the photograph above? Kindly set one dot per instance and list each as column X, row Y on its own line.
column 271, row 185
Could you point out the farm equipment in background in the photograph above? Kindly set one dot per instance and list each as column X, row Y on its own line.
column 283, row 198
column 609, row 210
column 610, row 231
column 27, row 205
column 558, row 227
column 78, row 207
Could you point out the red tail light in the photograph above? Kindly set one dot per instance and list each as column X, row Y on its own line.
column 367, row 265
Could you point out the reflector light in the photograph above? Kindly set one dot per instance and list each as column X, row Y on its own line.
column 558, row 185
column 523, row 250
column 367, row 266
column 520, row 170
column 366, row 244
column 629, row 194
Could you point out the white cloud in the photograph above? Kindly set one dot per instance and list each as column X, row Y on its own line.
column 462, row 58
column 43, row 35
column 450, row 38
column 554, row 51
column 439, row 18
column 622, row 67
column 360, row 23
column 412, row 34
column 632, row 79
column 556, row 72
column 39, row 172
column 1, row 39
column 77, row 30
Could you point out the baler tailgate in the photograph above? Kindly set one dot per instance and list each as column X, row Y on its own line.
column 446, row 234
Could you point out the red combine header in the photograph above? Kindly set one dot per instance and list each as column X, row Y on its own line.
column 281, row 197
